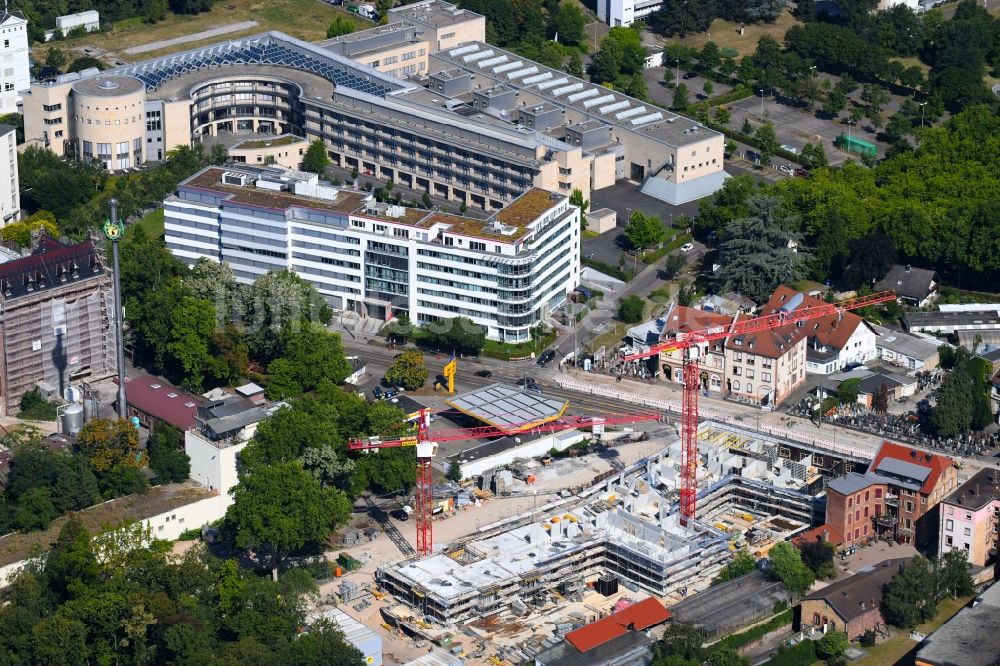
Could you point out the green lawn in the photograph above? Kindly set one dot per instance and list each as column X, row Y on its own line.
column 899, row 649
column 152, row 224
column 505, row 351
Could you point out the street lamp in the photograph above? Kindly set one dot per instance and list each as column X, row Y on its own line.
column 922, row 105
column 761, row 105
column 677, row 74
column 849, row 123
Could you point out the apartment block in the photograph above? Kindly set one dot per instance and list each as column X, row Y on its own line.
column 55, row 320
column 504, row 273
column 626, row 12
column 15, row 76
column 970, row 518
column 10, row 189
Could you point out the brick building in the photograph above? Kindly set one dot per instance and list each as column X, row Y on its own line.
column 897, row 498
column 55, row 320
column 850, row 605
column 970, row 518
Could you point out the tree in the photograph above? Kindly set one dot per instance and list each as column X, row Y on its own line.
column 458, row 335
column 279, row 509
column 605, row 65
column 742, row 564
column 832, row 645
column 880, row 403
column 455, row 471
column 815, row 155
column 277, row 303
column 637, row 87
column 408, row 371
column 818, row 556
column 55, row 59
column 192, row 324
column 569, row 24
column 681, row 99
column 722, row 116
column 316, row 159
column 683, row 641
column 847, row 392
column 953, row 576
column 630, row 309
column 755, row 255
column 912, row 77
column 644, row 231
column 768, row 141
column 574, row 66
column 709, row 56
column 71, row 565
column 110, row 443
column 20, row 232
column 911, row 596
column 340, row 26
column 788, row 567
column 86, row 62
column 708, row 88
column 328, row 467
column 34, row 510
column 576, row 199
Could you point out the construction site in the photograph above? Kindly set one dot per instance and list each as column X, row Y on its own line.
column 625, row 531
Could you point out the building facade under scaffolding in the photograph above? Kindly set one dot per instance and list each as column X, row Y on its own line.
column 626, row 526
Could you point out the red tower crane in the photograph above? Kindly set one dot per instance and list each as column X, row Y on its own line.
column 694, row 345
column 426, row 443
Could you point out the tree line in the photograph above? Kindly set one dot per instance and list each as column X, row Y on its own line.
column 930, row 206
column 41, row 14
column 132, row 601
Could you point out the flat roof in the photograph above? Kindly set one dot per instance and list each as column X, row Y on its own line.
column 107, row 86
column 505, row 406
column 984, row 317
column 903, row 468
column 970, row 638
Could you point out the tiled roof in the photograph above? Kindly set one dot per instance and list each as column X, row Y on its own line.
column 824, row 532
column 772, row 344
column 855, row 596
column 830, row 331
column 936, row 464
column 906, row 281
column 163, row 401
column 51, row 264
column 647, row 613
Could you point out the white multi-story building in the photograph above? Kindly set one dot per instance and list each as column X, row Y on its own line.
column 14, row 75
column 626, row 12
column 10, row 193
column 504, row 273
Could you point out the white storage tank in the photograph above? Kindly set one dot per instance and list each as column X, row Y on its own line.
column 72, row 419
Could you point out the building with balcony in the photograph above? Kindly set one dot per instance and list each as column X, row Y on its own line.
column 504, row 273
column 897, row 498
column 15, row 54
column 422, row 101
column 970, row 518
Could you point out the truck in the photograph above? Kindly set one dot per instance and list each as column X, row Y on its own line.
column 365, row 10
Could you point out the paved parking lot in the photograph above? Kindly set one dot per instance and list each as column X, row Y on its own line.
column 796, row 127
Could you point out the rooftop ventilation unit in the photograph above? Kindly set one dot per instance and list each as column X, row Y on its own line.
column 567, row 89
column 498, row 227
column 544, row 76
column 522, row 72
column 628, row 113
column 624, row 104
column 598, row 100
column 235, row 178
column 651, row 118
column 506, row 67
column 576, row 97
column 478, row 56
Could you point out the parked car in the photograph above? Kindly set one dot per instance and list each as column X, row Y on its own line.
column 688, row 76
column 377, row 392
column 388, row 394
column 529, row 384
column 485, row 374
column 687, row 247
column 787, row 170
column 546, row 357
column 791, row 149
column 801, row 173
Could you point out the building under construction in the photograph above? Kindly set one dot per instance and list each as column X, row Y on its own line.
column 624, row 529
column 55, row 309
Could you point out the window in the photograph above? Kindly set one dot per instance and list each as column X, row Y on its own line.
column 766, row 376
column 866, row 512
column 358, row 223
column 749, row 388
column 968, row 531
column 409, row 55
column 909, row 507
column 390, row 60
column 949, row 525
column 736, row 385
column 479, row 247
column 52, row 107
column 850, row 502
column 878, row 493
column 749, row 373
column 949, row 541
column 866, row 495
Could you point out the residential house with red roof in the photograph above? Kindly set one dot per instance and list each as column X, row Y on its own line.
column 897, row 497
column 765, row 367
column 615, row 640
column 680, row 320
column 55, row 320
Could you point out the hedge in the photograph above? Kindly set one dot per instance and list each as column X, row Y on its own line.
column 679, row 240
column 801, row 654
column 608, row 269
column 752, row 634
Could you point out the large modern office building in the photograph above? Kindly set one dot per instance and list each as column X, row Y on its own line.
column 504, row 273
column 423, row 101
